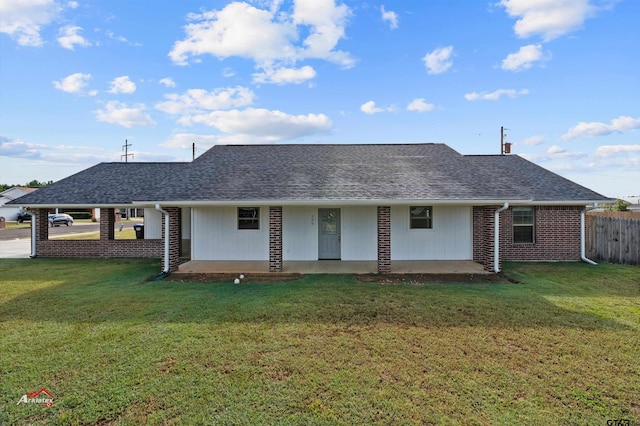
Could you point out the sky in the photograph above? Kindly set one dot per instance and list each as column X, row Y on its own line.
column 79, row 78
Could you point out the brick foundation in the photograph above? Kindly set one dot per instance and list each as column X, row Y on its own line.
column 384, row 239
column 275, row 239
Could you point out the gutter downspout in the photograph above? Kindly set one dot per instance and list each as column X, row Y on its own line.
column 583, row 256
column 165, row 269
column 34, row 233
column 496, row 237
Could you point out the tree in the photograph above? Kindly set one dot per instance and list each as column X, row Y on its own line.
column 619, row 206
column 37, row 184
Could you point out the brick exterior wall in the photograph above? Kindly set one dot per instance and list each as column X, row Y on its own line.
column 557, row 235
column 275, row 239
column 556, row 230
column 384, row 239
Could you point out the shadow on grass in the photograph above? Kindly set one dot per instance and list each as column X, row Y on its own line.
column 122, row 292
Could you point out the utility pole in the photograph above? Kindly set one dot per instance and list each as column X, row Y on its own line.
column 505, row 147
column 193, row 154
column 126, row 154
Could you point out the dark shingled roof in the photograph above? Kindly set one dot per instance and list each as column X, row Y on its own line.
column 316, row 173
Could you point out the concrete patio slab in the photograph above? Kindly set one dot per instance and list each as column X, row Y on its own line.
column 332, row 267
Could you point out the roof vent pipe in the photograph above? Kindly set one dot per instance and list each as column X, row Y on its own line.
column 165, row 269
column 496, row 237
column 582, row 238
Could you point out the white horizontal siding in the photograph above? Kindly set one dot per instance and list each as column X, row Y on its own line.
column 216, row 235
column 449, row 239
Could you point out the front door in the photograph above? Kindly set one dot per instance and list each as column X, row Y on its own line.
column 329, row 234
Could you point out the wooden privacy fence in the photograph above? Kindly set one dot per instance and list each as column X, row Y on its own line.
column 613, row 239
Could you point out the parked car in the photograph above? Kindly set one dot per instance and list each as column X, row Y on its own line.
column 60, row 219
column 24, row 217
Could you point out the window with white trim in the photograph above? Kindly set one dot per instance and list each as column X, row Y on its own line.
column 420, row 217
column 248, row 217
column 523, row 225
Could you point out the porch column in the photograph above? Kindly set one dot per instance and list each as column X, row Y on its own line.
column 107, row 224
column 174, row 237
column 483, row 226
column 275, row 238
column 42, row 227
column 384, row 239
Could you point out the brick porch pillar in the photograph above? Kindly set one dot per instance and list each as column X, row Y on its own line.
column 384, row 239
column 174, row 237
column 107, row 224
column 483, row 226
column 42, row 227
column 275, row 239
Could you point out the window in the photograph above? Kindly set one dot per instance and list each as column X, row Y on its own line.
column 420, row 217
column 248, row 217
column 523, row 225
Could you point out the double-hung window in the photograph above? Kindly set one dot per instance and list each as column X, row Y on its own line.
column 248, row 217
column 420, row 217
column 523, row 225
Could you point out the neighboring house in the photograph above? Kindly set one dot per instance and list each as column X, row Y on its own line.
column 10, row 212
column 281, row 203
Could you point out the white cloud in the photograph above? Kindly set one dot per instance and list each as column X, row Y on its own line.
column 439, row 60
column 533, row 141
column 554, row 152
column 270, row 37
column 122, row 39
column 593, row 129
column 119, row 113
column 167, row 82
column 186, row 140
column 69, row 37
column 266, row 125
column 23, row 20
column 390, row 17
column 66, row 155
column 420, row 105
column 613, row 150
column 72, row 4
column 197, row 101
column 122, row 85
column 73, row 83
column 285, row 75
column 495, row 95
column 548, row 18
column 371, row 108
column 524, row 58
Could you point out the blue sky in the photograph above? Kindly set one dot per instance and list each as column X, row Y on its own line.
column 78, row 78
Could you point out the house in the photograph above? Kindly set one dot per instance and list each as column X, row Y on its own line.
column 10, row 212
column 285, row 203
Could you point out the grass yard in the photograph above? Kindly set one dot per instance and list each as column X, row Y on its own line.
column 114, row 347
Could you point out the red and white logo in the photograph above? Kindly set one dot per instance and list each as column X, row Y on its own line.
column 42, row 396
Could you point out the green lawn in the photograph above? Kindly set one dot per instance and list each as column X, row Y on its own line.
column 115, row 347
